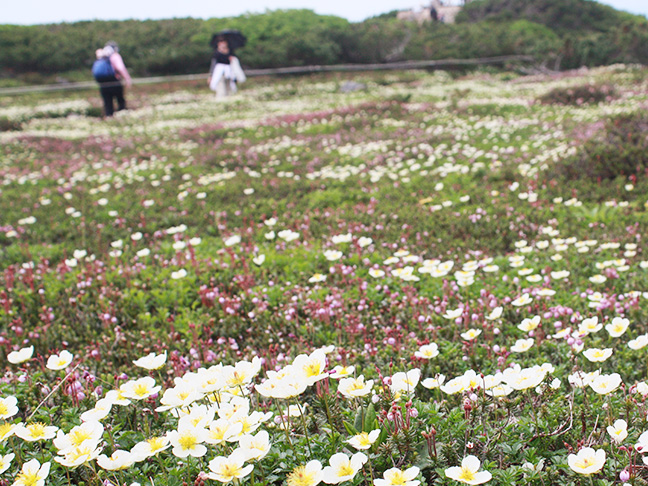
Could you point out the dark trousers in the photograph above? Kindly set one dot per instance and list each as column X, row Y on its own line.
column 109, row 93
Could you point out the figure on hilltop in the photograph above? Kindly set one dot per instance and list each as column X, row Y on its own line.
column 109, row 71
column 225, row 70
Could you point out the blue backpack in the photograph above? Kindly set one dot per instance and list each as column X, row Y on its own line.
column 102, row 70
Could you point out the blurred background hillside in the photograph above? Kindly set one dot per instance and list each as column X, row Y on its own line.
column 560, row 34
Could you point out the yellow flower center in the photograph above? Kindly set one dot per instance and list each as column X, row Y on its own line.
column 356, row 385
column 141, row 390
column 301, row 477
column 5, row 430
column 363, row 439
column 77, row 437
column 28, row 478
column 187, row 441
column 156, row 443
column 398, row 479
column 236, row 379
column 466, row 474
column 230, row 471
column 4, row 410
column 36, row 429
column 312, row 369
column 346, row 470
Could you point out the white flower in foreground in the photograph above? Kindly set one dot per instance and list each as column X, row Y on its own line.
column 343, row 468
column 182, row 273
column 100, row 411
column 59, row 361
column 522, row 345
column 33, row 474
column 528, row 325
column 427, row 351
column 20, row 356
column 258, row 260
column 81, row 435
column 376, row 273
column 524, row 299
column 432, row 383
column 604, row 384
column 341, row 371
column 256, row 446
column 140, row 389
column 364, row 440
column 617, row 327
column 587, row 461
column 79, row 455
column 355, row 387
column 316, row 278
column 5, row 461
column 471, row 334
column 405, row 382
column 226, row 469
column 35, row 431
column 308, row 475
column 232, row 240
column 8, row 407
column 188, row 441
column 151, row 361
column 453, row 314
column 596, row 355
column 496, row 313
column 396, row 477
column 639, row 342
column 332, row 255
column 469, row 472
column 618, row 431
column 150, row 447
column 117, row 461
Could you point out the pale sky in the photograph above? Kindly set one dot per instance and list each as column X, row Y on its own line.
column 48, row 11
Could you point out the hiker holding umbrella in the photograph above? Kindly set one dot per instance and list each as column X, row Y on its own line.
column 225, row 70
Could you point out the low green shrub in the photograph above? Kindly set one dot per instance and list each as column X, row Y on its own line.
column 578, row 95
column 620, row 148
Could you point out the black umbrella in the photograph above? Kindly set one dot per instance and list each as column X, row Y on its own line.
column 235, row 39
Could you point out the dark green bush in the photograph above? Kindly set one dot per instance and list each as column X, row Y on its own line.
column 619, row 149
column 9, row 125
column 578, row 95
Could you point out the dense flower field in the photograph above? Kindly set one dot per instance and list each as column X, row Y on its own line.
column 394, row 286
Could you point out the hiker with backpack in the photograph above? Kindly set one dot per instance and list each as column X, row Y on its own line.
column 109, row 71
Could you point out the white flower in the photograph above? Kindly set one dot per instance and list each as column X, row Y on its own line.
column 32, row 474
column 226, row 469
column 5, row 461
column 604, row 384
column 522, row 345
column 8, row 407
column 308, row 475
column 20, row 356
column 596, row 355
column 59, row 361
column 469, row 472
column 151, row 361
column 618, row 431
column 316, row 278
column 587, row 461
column 364, row 440
column 427, row 351
column 402, row 382
column 396, row 477
column 617, row 327
column 343, row 468
column 232, row 240
column 332, row 255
